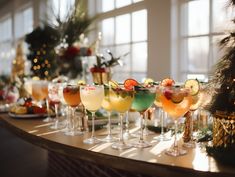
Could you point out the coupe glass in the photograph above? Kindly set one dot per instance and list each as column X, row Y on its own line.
column 162, row 114
column 176, row 101
column 144, row 98
column 121, row 101
column 92, row 97
column 71, row 95
column 106, row 104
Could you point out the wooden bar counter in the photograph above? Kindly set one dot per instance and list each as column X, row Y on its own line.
column 69, row 156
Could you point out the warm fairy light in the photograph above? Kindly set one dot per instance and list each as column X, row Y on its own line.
column 43, row 65
column 49, row 65
column 38, row 52
column 39, row 67
column 44, row 52
column 46, row 61
column 35, row 60
column 46, row 73
column 35, row 67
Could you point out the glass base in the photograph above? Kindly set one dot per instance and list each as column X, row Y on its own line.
column 142, row 144
column 162, row 138
column 175, row 152
column 109, row 139
column 57, row 125
column 73, row 133
column 92, row 140
column 190, row 144
column 48, row 119
column 127, row 135
column 121, row 146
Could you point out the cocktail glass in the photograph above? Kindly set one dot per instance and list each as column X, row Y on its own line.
column 106, row 104
column 53, row 95
column 162, row 115
column 92, row 97
column 71, row 95
column 39, row 91
column 176, row 101
column 144, row 98
column 121, row 100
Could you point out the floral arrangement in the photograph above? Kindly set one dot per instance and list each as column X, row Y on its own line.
column 101, row 71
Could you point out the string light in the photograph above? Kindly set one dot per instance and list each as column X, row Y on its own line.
column 35, row 60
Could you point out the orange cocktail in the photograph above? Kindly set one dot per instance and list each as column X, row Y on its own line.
column 71, row 95
column 176, row 101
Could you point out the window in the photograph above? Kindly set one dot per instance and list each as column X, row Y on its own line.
column 59, row 8
column 125, row 31
column 23, row 22
column 6, row 53
column 200, row 33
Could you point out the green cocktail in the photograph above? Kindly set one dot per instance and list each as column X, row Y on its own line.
column 144, row 98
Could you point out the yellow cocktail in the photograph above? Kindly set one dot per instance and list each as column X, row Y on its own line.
column 121, row 100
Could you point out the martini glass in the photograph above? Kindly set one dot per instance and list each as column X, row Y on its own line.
column 176, row 101
column 121, row 100
column 144, row 98
column 92, row 97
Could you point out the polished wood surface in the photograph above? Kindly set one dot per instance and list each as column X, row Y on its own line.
column 149, row 161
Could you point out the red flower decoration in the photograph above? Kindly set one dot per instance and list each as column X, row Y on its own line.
column 71, row 52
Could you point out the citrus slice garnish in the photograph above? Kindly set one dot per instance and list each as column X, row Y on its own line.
column 148, row 81
column 113, row 84
column 177, row 97
column 130, row 83
column 81, row 82
column 193, row 85
column 167, row 82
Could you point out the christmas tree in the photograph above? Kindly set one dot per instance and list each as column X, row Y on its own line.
column 42, row 56
column 223, row 81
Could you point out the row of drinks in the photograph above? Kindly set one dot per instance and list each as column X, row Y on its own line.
column 175, row 99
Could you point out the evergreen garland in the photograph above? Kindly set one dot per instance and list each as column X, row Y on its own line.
column 224, row 76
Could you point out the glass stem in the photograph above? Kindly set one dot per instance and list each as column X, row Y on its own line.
column 191, row 125
column 109, row 124
column 48, row 108
column 162, row 121
column 93, row 125
column 175, row 138
column 127, row 122
column 141, row 138
column 56, row 115
column 121, row 128
column 73, row 109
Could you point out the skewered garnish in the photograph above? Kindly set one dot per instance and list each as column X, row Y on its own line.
column 129, row 84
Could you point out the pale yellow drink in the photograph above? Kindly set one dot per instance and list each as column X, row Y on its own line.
column 92, row 97
column 106, row 104
column 121, row 100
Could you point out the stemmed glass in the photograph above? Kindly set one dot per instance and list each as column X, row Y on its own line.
column 106, row 104
column 121, row 100
column 176, row 101
column 91, row 97
column 162, row 115
column 39, row 91
column 53, row 94
column 71, row 95
column 197, row 100
column 144, row 98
